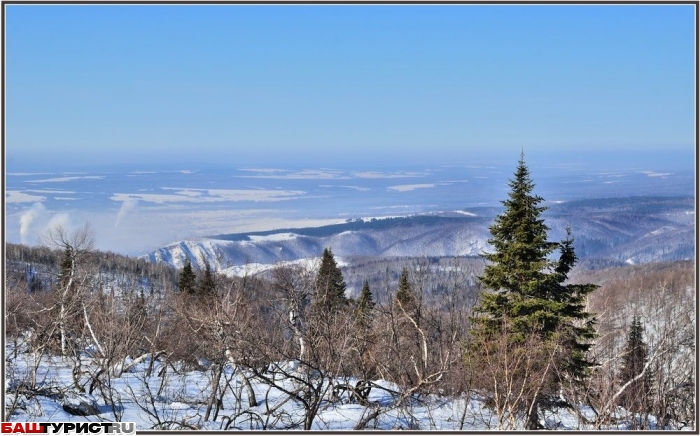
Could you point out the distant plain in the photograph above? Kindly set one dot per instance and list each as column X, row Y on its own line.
column 137, row 208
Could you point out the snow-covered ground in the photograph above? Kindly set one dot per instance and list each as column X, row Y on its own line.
column 251, row 269
column 179, row 400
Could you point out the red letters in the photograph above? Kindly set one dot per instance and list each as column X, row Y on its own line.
column 22, row 427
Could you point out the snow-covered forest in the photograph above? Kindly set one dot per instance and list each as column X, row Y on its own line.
column 519, row 339
column 142, row 352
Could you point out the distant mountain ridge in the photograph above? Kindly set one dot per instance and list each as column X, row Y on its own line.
column 632, row 230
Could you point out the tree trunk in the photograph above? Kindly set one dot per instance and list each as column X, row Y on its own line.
column 252, row 401
column 533, row 422
column 214, row 390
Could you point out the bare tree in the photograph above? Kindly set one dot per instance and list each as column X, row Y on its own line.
column 512, row 375
column 662, row 297
column 294, row 354
column 72, row 282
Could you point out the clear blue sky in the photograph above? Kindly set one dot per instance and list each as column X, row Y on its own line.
column 335, row 85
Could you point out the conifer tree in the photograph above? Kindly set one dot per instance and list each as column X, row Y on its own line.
column 363, row 335
column 636, row 396
column 207, row 285
column 527, row 290
column 407, row 335
column 187, row 282
column 330, row 286
column 365, row 305
column 406, row 300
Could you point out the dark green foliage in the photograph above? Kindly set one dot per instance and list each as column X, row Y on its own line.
column 406, row 325
column 330, row 286
column 407, row 307
column 406, row 297
column 364, row 307
column 637, row 396
column 187, row 281
column 364, row 337
column 528, row 287
column 207, row 284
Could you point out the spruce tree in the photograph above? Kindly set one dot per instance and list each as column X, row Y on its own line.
column 363, row 335
column 636, row 396
column 330, row 286
column 407, row 336
column 187, row 281
column 527, row 290
column 406, row 300
column 364, row 308
column 207, row 284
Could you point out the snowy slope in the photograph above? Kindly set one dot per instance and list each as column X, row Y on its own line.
column 620, row 230
column 179, row 402
column 449, row 241
column 439, row 239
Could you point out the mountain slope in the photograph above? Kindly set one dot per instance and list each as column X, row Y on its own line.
column 632, row 230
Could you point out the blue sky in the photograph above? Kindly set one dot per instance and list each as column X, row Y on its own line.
column 346, row 85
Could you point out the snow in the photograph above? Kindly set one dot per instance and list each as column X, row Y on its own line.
column 273, row 237
column 250, row 269
column 656, row 174
column 21, row 197
column 190, row 195
column 464, row 212
column 182, row 396
column 66, row 179
column 659, row 231
column 406, row 188
column 375, row 218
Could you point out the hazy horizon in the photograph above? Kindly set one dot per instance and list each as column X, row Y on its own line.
column 136, row 209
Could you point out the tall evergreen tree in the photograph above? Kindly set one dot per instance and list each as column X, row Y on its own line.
column 636, row 396
column 365, row 305
column 207, row 284
column 188, row 280
column 407, row 336
column 527, row 287
column 330, row 286
column 406, row 299
column 363, row 334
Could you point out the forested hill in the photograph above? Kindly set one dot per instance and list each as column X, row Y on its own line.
column 370, row 224
column 609, row 230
